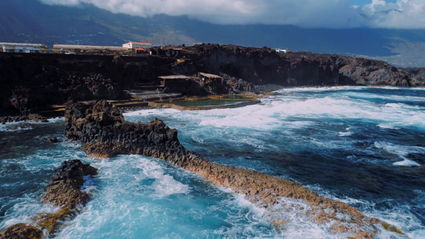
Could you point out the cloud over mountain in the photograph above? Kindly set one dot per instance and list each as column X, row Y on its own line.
column 407, row 14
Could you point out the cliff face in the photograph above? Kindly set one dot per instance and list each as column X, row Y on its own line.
column 265, row 66
column 32, row 81
column 36, row 80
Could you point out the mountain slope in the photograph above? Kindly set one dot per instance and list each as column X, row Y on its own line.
column 31, row 21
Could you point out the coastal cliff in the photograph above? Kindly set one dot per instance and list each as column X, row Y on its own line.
column 265, row 66
column 35, row 81
column 104, row 133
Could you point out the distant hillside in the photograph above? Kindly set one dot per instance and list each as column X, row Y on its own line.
column 31, row 21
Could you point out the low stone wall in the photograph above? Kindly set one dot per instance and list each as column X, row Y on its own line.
column 246, row 102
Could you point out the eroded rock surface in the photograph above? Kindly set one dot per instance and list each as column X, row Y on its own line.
column 21, row 231
column 104, row 132
column 64, row 190
column 260, row 66
column 33, row 117
column 65, row 185
column 37, row 118
column 53, row 139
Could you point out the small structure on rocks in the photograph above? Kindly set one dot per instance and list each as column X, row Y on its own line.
column 175, row 80
column 208, row 76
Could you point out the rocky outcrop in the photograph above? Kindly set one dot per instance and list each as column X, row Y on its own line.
column 369, row 72
column 53, row 140
column 104, row 133
column 33, row 117
column 264, row 66
column 35, row 81
column 64, row 191
column 65, row 185
column 37, row 118
column 21, row 231
column 8, row 119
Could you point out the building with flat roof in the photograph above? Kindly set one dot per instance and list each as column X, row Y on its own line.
column 137, row 45
column 175, row 79
column 21, row 47
column 88, row 47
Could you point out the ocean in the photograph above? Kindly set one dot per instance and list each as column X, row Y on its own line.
column 360, row 145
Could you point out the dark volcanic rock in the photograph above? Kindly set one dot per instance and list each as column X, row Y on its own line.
column 65, row 185
column 36, row 81
column 104, row 132
column 32, row 81
column 37, row 118
column 21, row 231
column 34, row 117
column 7, row 119
column 264, row 66
column 53, row 140
column 64, row 190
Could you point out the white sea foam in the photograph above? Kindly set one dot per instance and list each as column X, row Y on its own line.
column 129, row 206
column 365, row 95
column 26, row 125
column 14, row 127
column 56, row 119
column 388, row 126
column 406, row 162
column 274, row 114
column 136, row 196
column 402, row 151
column 151, row 112
column 399, row 216
column 320, row 89
column 344, row 134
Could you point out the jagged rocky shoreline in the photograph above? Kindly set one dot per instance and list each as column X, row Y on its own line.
column 36, row 81
column 64, row 191
column 104, row 133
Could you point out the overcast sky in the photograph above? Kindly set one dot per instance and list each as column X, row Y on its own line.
column 405, row 14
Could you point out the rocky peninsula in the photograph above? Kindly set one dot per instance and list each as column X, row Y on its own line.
column 103, row 132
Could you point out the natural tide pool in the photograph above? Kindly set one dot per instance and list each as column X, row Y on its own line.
column 363, row 146
column 206, row 103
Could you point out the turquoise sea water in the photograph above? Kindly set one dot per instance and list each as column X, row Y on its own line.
column 363, row 146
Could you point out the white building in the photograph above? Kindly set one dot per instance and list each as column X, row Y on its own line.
column 137, row 45
column 21, row 47
column 282, row 50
